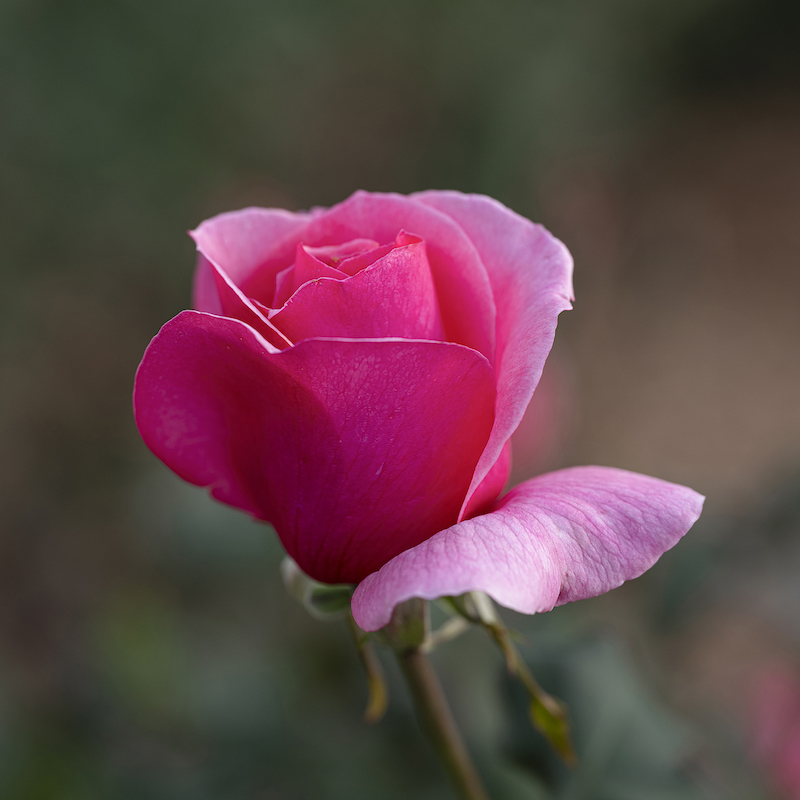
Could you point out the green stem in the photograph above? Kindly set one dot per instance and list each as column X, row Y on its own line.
column 435, row 716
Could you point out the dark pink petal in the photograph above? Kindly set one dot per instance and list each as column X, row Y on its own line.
column 359, row 261
column 465, row 296
column 394, row 297
column 284, row 287
column 235, row 304
column 335, row 261
column 560, row 537
column 356, row 263
column 531, row 278
column 306, row 268
column 333, row 255
column 251, row 245
column 354, row 450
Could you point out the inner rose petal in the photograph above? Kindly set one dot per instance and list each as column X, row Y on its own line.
column 333, row 254
column 307, row 267
column 331, row 261
column 392, row 297
column 356, row 263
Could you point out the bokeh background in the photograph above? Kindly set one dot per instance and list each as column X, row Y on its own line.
column 147, row 646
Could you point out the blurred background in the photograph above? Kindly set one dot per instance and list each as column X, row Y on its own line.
column 147, row 646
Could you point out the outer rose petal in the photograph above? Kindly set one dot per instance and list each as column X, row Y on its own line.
column 531, row 277
column 559, row 537
column 354, row 450
column 253, row 240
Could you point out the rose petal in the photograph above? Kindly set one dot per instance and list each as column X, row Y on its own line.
column 465, row 296
column 306, row 267
column 359, row 261
column 394, row 297
column 251, row 245
column 354, row 450
column 235, row 304
column 334, row 255
column 490, row 487
column 560, row 537
column 531, row 278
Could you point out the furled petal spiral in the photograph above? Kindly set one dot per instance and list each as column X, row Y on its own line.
column 394, row 296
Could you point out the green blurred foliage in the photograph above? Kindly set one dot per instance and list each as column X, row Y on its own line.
column 147, row 646
column 630, row 747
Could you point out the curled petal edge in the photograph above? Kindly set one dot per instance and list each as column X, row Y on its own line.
column 530, row 273
column 559, row 537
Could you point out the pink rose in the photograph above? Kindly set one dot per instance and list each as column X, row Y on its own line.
column 352, row 375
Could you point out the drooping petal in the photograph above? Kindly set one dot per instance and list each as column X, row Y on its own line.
column 560, row 537
column 465, row 296
column 393, row 297
column 531, row 278
column 354, row 450
column 251, row 245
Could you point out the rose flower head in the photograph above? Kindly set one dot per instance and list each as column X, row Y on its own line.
column 353, row 375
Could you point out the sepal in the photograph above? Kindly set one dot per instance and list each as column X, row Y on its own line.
column 548, row 714
column 409, row 628
column 322, row 600
column 378, row 693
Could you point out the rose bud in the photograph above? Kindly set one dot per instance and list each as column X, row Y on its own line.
column 353, row 375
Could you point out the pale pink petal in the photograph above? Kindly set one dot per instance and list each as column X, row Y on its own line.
column 559, row 537
column 465, row 296
column 205, row 295
column 531, row 277
column 354, row 450
column 393, row 297
column 251, row 245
